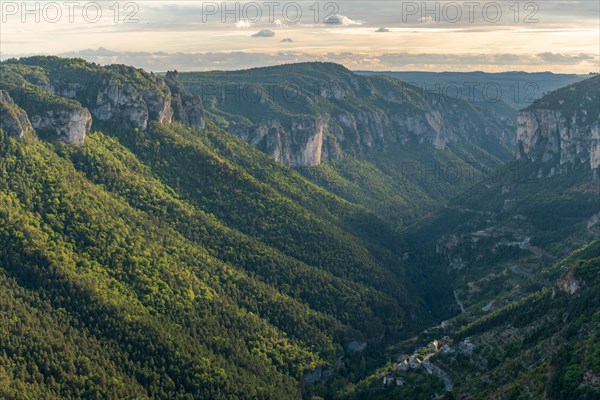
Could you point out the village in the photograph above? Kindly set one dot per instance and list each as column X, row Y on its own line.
column 420, row 359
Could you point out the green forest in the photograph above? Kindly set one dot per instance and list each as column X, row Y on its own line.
column 162, row 260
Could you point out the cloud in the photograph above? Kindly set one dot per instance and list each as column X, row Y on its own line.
column 242, row 24
column 558, row 58
column 264, row 33
column 468, row 61
column 99, row 52
column 158, row 61
column 287, row 40
column 340, row 20
column 405, row 59
column 382, row 29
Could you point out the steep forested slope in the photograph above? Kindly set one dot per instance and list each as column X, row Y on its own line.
column 545, row 345
column 165, row 260
column 495, row 237
column 376, row 141
column 520, row 251
column 151, row 250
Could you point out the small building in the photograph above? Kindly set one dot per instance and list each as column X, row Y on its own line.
column 414, row 362
column 434, row 345
column 444, row 341
column 467, row 346
column 389, row 380
column 447, row 349
column 403, row 366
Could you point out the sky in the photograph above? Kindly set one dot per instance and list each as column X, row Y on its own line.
column 492, row 36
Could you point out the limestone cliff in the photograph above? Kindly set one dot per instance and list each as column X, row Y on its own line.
column 61, row 96
column 117, row 102
column 187, row 108
column 13, row 119
column 30, row 106
column 301, row 142
column 68, row 124
column 568, row 283
column 359, row 132
column 304, row 114
column 547, row 136
column 562, row 130
column 131, row 104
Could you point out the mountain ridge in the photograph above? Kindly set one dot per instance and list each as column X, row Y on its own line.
column 357, row 135
column 326, row 88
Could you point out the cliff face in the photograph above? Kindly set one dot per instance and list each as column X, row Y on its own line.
column 547, row 136
column 13, row 119
column 117, row 102
column 128, row 107
column 187, row 108
column 64, row 97
column 378, row 129
column 562, row 130
column 29, row 108
column 69, row 125
column 340, row 112
column 301, row 142
column 568, row 283
column 358, row 132
column 163, row 100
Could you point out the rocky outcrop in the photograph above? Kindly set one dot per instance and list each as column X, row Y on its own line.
column 159, row 103
column 301, row 142
column 187, row 108
column 38, row 110
column 69, row 125
column 591, row 378
column 561, row 130
column 548, row 137
column 121, row 104
column 436, row 123
column 359, row 115
column 61, row 96
column 569, row 284
column 356, row 346
column 321, row 374
column 304, row 141
column 593, row 224
column 124, row 97
column 13, row 119
column 131, row 107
